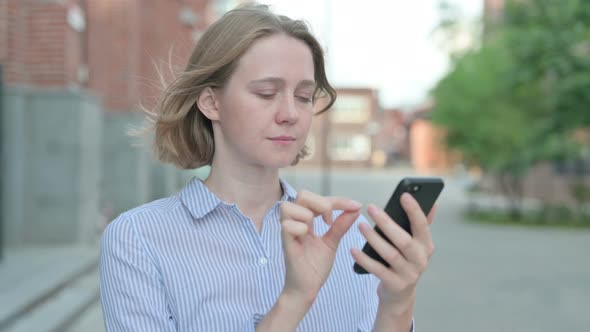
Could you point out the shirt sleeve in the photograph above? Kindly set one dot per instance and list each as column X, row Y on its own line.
column 370, row 283
column 131, row 289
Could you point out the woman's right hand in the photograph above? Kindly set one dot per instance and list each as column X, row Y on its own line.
column 308, row 257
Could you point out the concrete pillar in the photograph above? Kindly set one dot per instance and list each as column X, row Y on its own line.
column 126, row 164
column 51, row 143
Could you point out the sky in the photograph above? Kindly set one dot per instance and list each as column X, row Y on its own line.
column 383, row 44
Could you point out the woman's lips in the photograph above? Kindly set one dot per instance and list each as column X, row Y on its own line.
column 282, row 140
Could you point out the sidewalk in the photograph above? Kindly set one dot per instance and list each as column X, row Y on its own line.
column 45, row 288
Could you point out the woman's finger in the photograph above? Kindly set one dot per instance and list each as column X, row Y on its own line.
column 401, row 239
column 408, row 246
column 419, row 222
column 296, row 212
column 319, row 205
column 388, row 252
column 342, row 224
column 374, row 267
column 292, row 229
column 324, row 206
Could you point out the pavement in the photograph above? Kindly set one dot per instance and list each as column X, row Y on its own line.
column 481, row 278
column 485, row 278
column 46, row 288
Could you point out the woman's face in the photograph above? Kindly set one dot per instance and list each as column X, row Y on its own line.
column 265, row 109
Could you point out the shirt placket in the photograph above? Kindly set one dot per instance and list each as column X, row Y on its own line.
column 261, row 258
column 270, row 263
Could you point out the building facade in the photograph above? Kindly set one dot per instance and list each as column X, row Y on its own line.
column 109, row 47
column 344, row 135
column 75, row 73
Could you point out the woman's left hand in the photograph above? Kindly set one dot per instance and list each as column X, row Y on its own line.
column 407, row 259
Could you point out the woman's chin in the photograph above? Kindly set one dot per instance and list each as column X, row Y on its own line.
column 280, row 162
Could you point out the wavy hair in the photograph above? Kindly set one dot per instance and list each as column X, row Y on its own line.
column 183, row 136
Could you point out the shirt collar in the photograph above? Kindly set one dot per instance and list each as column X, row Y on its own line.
column 289, row 193
column 200, row 201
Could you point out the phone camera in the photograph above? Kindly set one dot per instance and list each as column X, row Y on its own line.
column 415, row 188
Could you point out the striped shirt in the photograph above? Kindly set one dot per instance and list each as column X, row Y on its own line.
column 192, row 262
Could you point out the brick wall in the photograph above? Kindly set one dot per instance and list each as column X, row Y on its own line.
column 52, row 45
column 113, row 51
column 37, row 45
column 427, row 148
column 121, row 42
column 176, row 37
column 3, row 30
column 325, row 129
column 392, row 138
column 14, row 33
column 127, row 39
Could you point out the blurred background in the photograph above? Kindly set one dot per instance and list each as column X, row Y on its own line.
column 492, row 95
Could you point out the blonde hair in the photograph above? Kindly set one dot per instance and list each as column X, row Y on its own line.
column 183, row 135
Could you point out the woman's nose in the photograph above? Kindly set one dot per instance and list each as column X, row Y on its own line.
column 287, row 112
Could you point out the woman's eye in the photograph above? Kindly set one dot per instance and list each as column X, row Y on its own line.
column 265, row 95
column 304, row 99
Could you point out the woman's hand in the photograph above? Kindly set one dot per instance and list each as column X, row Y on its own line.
column 309, row 258
column 408, row 257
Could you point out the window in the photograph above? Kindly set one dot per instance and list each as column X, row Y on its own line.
column 350, row 147
column 351, row 109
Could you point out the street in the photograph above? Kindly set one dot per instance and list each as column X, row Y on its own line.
column 482, row 277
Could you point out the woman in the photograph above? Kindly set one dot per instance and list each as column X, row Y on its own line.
column 243, row 250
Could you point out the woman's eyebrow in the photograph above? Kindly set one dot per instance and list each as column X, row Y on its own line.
column 280, row 81
column 306, row 83
column 274, row 80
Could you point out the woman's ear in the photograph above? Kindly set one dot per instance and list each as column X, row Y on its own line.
column 207, row 104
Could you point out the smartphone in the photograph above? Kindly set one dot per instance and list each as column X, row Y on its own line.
column 424, row 189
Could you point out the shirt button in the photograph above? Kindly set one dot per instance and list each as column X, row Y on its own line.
column 263, row 261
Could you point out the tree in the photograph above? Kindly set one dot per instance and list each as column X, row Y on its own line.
column 519, row 98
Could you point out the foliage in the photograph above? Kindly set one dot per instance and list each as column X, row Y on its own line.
column 550, row 216
column 519, row 98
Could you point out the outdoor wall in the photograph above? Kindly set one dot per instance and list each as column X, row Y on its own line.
column 545, row 183
column 427, row 150
column 51, row 145
column 132, row 176
column 69, row 168
column 126, row 165
column 167, row 180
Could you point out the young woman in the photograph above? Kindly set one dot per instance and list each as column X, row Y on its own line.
column 242, row 250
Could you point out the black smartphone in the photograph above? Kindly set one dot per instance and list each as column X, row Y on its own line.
column 424, row 189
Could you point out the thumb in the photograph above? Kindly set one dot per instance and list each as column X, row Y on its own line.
column 340, row 226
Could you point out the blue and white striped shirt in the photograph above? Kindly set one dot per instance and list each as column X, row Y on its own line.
column 191, row 262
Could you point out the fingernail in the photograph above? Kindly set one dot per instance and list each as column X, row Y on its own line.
column 355, row 205
column 371, row 209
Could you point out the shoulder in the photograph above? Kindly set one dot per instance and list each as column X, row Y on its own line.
column 144, row 218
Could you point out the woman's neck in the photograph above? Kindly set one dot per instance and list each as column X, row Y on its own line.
column 254, row 190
